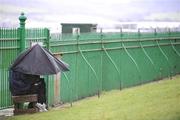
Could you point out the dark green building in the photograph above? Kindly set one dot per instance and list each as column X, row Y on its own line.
column 78, row 27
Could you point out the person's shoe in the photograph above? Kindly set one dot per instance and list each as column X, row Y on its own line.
column 39, row 105
column 44, row 107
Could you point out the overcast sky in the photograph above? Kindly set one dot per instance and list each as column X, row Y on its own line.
column 50, row 13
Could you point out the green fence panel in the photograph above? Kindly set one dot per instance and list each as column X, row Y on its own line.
column 106, row 61
column 9, row 44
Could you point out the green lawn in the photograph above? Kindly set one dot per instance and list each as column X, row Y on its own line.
column 154, row 101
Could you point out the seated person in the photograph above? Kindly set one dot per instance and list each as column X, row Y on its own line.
column 24, row 84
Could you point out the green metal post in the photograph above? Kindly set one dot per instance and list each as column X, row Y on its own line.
column 22, row 33
column 48, row 38
column 46, row 77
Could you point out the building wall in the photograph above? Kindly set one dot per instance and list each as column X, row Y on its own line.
column 84, row 28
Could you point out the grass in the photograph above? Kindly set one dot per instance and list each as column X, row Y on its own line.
column 154, row 101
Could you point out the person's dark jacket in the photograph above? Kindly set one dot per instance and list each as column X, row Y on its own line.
column 21, row 84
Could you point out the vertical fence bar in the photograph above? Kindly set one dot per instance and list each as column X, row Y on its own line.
column 121, row 75
column 0, row 67
column 47, row 34
column 77, row 68
column 101, row 68
column 3, row 79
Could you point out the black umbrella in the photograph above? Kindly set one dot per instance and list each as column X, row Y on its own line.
column 38, row 61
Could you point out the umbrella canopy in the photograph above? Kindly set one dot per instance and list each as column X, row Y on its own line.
column 38, row 61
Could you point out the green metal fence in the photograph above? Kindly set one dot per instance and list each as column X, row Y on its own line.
column 98, row 61
column 106, row 61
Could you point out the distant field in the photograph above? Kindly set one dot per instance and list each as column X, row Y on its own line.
column 154, row 101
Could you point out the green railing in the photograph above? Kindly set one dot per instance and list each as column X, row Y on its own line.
column 98, row 61
column 106, row 61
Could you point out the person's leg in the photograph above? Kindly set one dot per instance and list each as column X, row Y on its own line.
column 42, row 96
column 33, row 90
column 31, row 105
column 42, row 92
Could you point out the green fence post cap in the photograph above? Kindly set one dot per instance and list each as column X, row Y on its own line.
column 22, row 19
